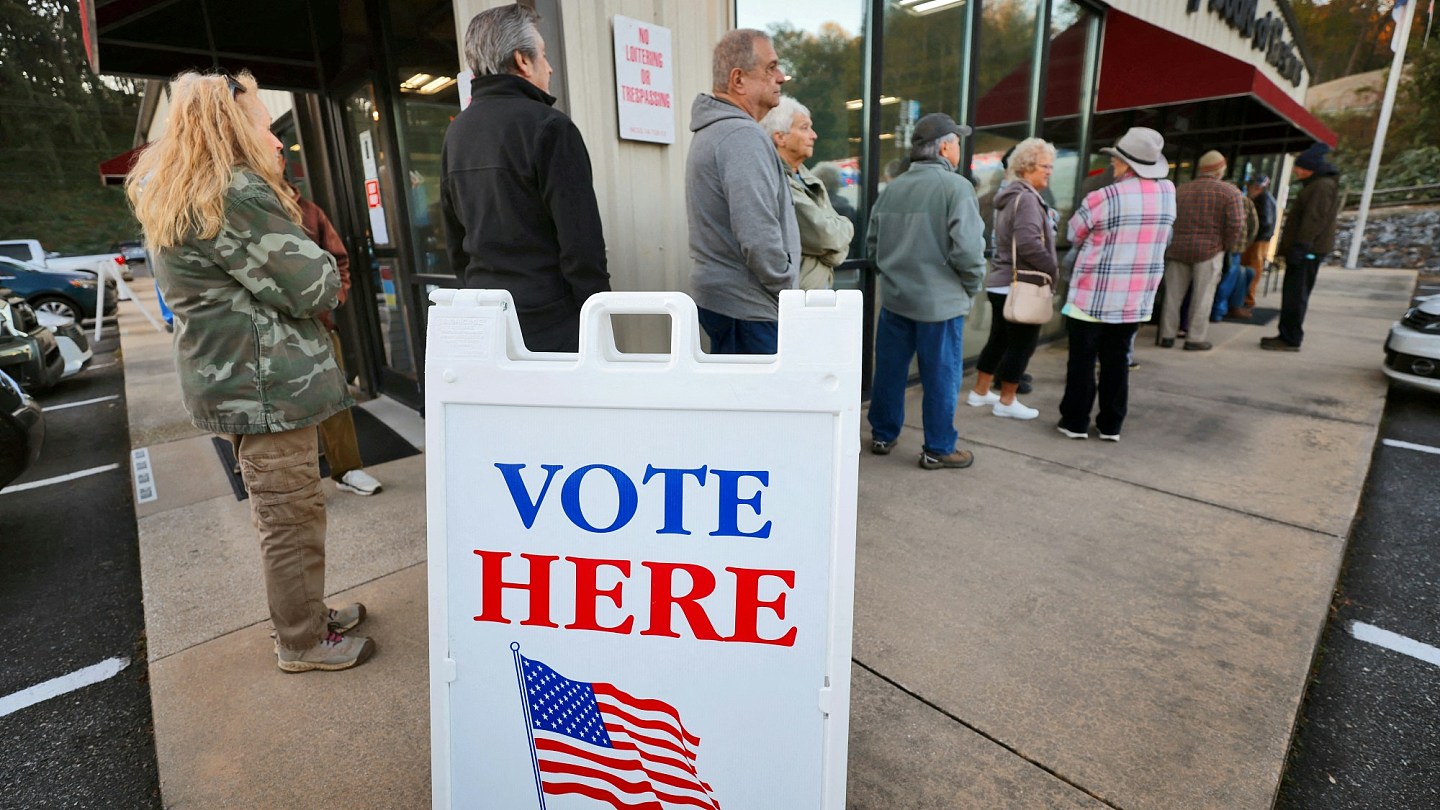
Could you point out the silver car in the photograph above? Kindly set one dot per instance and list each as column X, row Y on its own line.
column 1412, row 351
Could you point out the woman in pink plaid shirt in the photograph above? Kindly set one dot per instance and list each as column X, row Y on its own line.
column 1119, row 233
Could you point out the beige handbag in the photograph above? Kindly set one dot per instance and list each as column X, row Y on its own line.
column 1028, row 302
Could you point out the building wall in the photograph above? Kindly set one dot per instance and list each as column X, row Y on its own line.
column 640, row 187
column 1210, row 29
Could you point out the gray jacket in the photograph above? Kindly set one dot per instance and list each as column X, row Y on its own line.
column 928, row 241
column 744, row 239
column 1022, row 215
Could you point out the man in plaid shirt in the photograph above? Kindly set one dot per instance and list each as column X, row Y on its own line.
column 1209, row 220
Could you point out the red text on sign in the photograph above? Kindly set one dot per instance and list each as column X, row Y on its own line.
column 693, row 592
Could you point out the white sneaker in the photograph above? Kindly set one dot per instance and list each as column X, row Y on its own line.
column 1015, row 410
column 974, row 400
column 1109, row 437
column 358, row 482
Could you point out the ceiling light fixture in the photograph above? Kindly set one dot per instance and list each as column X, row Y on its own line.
column 436, row 85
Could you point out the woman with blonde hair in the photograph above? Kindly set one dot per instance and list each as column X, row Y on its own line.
column 1024, row 233
column 246, row 286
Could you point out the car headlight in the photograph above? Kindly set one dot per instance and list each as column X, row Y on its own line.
column 82, row 283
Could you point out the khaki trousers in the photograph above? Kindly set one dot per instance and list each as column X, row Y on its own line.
column 1200, row 279
column 1254, row 259
column 342, row 449
column 287, row 507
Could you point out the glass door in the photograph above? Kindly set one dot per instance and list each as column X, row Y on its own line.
column 379, row 272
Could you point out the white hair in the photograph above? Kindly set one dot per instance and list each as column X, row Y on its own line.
column 1028, row 154
column 779, row 120
column 930, row 150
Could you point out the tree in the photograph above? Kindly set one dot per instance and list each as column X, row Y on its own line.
column 58, row 120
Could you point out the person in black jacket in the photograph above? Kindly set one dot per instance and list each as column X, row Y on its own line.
column 1306, row 238
column 517, row 193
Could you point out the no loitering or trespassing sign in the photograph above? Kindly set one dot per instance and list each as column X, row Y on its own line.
column 641, row 566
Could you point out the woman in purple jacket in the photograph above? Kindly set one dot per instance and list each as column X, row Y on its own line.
column 1024, row 232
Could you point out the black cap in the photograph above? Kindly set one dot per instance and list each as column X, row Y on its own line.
column 935, row 126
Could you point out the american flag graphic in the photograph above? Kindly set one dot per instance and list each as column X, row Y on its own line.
column 594, row 740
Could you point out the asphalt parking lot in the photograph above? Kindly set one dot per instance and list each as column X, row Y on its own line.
column 1369, row 733
column 75, row 718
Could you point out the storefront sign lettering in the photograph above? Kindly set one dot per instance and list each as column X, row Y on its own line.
column 1266, row 34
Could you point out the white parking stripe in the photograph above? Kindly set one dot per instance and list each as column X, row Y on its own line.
column 56, row 687
column 1393, row 641
column 1408, row 446
column 81, row 402
column 59, row 479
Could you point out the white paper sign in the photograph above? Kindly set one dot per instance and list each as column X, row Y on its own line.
column 644, row 81
column 373, row 201
column 641, row 566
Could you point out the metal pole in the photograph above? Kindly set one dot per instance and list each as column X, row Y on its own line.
column 1402, row 37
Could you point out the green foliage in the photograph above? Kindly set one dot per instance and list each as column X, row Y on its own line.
column 1345, row 37
column 58, row 121
column 824, row 70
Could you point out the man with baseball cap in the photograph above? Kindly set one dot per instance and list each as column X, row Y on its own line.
column 927, row 241
column 1258, row 189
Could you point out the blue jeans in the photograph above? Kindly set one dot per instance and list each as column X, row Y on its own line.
column 734, row 336
column 1234, row 286
column 938, row 346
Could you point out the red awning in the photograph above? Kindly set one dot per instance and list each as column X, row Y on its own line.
column 114, row 171
column 1144, row 66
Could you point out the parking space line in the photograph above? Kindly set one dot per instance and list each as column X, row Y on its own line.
column 56, row 687
column 81, row 402
column 59, row 479
column 1423, row 448
column 1393, row 641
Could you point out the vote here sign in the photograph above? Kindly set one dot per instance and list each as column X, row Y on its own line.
column 641, row 566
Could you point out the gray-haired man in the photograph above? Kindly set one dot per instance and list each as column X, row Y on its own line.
column 517, row 191
column 744, row 239
column 927, row 241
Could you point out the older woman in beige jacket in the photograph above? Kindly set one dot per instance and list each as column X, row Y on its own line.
column 824, row 234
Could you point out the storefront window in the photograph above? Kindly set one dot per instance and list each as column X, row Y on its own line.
column 1004, row 68
column 1073, row 39
column 923, row 72
column 821, row 46
column 429, row 98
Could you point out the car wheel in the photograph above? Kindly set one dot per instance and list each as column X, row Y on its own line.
column 59, row 306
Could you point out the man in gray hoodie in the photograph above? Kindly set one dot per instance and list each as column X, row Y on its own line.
column 927, row 241
column 744, row 239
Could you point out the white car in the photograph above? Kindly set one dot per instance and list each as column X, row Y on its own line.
column 1412, row 352
column 74, row 346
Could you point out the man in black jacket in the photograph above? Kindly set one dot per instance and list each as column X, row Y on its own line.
column 517, row 192
column 1307, row 237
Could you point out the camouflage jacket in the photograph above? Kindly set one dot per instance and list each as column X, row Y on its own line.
column 251, row 353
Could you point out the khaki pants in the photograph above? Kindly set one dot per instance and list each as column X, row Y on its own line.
column 287, row 507
column 1254, row 259
column 342, row 449
column 1200, row 279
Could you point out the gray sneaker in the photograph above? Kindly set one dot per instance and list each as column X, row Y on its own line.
column 333, row 652
column 346, row 618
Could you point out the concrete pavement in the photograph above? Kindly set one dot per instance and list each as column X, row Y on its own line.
column 1066, row 624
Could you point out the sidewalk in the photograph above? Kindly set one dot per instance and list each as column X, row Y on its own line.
column 1066, row 624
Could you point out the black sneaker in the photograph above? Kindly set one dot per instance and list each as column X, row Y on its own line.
column 880, row 448
column 957, row 460
column 1278, row 344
